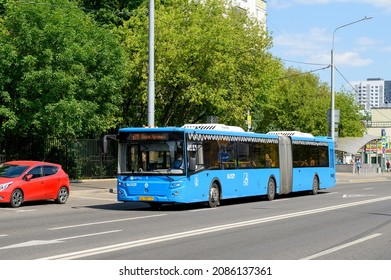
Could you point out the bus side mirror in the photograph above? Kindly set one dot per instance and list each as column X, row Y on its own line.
column 192, row 164
column 111, row 136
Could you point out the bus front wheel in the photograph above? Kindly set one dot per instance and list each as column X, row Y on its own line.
column 271, row 189
column 214, row 196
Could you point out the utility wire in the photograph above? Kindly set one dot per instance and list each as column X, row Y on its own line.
column 346, row 80
column 306, row 63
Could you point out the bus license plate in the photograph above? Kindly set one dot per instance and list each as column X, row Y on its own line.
column 146, row 198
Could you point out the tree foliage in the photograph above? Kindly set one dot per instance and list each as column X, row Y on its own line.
column 72, row 68
column 351, row 120
column 299, row 101
column 110, row 12
column 61, row 75
column 211, row 59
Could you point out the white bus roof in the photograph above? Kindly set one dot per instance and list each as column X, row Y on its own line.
column 291, row 133
column 214, row 126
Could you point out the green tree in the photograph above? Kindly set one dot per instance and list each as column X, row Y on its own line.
column 211, row 59
column 61, row 75
column 297, row 102
column 351, row 119
column 110, row 12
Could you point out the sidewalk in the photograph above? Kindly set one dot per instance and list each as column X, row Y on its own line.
column 94, row 185
column 346, row 177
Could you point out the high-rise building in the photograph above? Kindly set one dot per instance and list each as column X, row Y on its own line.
column 387, row 93
column 256, row 8
column 372, row 93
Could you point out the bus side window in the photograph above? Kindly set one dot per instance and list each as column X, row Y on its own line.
column 244, row 158
column 211, row 154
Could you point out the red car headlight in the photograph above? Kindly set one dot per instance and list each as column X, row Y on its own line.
column 5, row 185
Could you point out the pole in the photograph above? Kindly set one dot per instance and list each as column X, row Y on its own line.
column 332, row 111
column 151, row 69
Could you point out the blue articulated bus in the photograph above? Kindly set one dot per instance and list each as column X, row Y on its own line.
column 211, row 162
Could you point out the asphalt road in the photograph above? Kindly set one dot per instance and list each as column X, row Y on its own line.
column 350, row 221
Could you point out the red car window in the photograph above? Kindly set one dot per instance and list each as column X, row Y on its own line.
column 12, row 171
column 49, row 170
column 36, row 172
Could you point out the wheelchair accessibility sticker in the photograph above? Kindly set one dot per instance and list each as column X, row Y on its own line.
column 245, row 179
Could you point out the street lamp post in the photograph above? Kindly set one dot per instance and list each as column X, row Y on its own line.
column 332, row 111
column 151, row 65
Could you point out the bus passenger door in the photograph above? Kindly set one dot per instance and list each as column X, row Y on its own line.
column 286, row 165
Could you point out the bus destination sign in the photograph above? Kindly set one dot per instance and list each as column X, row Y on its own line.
column 148, row 136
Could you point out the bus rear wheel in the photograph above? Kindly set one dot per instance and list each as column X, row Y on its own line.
column 315, row 186
column 271, row 189
column 214, row 196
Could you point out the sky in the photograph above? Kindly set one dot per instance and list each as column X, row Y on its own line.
column 302, row 32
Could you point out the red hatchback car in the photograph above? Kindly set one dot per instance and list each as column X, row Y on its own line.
column 22, row 181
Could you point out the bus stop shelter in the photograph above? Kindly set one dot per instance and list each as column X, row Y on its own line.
column 352, row 145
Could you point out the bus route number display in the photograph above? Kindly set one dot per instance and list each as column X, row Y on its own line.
column 148, row 136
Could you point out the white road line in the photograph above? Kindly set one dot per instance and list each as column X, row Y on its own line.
column 185, row 234
column 337, row 248
column 357, row 195
column 26, row 210
column 330, row 193
column 53, row 241
column 88, row 235
column 203, row 209
column 3, row 235
column 17, row 210
column 9, row 209
column 107, row 222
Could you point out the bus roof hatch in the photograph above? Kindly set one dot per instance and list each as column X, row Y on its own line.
column 291, row 133
column 214, row 126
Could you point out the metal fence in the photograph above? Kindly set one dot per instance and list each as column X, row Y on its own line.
column 80, row 158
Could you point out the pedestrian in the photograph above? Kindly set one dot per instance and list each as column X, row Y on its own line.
column 388, row 165
column 358, row 166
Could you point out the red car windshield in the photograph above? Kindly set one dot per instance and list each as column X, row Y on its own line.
column 12, row 171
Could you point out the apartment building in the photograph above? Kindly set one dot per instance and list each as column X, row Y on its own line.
column 256, row 8
column 372, row 93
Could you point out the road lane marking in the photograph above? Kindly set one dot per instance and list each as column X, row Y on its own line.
column 30, row 244
column 202, row 209
column 3, row 235
column 88, row 235
column 16, row 210
column 107, row 222
column 330, row 193
column 357, row 195
column 53, row 241
column 343, row 246
column 26, row 210
column 201, row 231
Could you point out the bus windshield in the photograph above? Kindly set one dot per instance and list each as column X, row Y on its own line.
column 151, row 153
